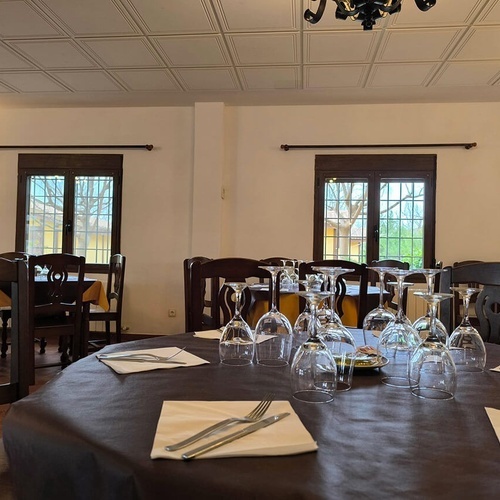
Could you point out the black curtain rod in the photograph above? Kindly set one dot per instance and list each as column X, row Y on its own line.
column 466, row 145
column 149, row 147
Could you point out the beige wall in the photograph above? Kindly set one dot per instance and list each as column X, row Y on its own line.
column 268, row 204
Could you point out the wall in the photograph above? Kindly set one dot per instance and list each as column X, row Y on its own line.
column 268, row 205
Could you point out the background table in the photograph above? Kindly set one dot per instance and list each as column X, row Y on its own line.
column 89, row 433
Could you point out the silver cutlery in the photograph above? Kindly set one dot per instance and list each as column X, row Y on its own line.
column 141, row 357
column 233, row 437
column 255, row 415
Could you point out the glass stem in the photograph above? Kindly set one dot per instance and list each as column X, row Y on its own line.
column 312, row 322
column 381, row 291
column 466, row 321
column 400, row 280
column 274, row 274
column 333, row 286
column 237, row 304
column 433, row 313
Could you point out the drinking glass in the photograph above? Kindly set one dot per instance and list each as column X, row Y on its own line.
column 276, row 349
column 237, row 341
column 377, row 319
column 313, row 374
column 301, row 325
column 397, row 341
column 423, row 324
column 336, row 336
column 431, row 371
column 465, row 344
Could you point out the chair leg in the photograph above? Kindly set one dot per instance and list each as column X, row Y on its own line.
column 118, row 324
column 108, row 331
column 5, row 346
column 43, row 344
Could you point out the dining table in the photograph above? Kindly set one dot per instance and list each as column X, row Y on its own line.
column 89, row 433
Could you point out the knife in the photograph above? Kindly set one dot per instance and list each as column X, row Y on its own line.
column 233, row 437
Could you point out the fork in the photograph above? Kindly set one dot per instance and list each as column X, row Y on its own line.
column 256, row 414
column 145, row 356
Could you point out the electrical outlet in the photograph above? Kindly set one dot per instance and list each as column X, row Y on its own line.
column 172, row 313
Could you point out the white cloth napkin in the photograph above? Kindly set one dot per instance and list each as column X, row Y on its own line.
column 215, row 335
column 181, row 419
column 124, row 367
column 494, row 416
column 496, row 369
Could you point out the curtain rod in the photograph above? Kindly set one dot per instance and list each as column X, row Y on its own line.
column 149, row 147
column 466, row 145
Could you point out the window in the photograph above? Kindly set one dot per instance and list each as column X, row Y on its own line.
column 375, row 207
column 71, row 204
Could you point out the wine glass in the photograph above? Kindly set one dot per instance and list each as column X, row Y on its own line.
column 465, row 344
column 237, row 341
column 431, row 371
column 336, row 336
column 398, row 340
column 377, row 319
column 276, row 348
column 422, row 324
column 313, row 374
column 301, row 325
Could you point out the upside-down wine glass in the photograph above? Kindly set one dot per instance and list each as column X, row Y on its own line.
column 465, row 344
column 423, row 324
column 276, row 349
column 398, row 341
column 377, row 319
column 336, row 336
column 301, row 325
column 431, row 372
column 237, row 341
column 313, row 373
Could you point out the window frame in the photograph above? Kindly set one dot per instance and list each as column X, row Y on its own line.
column 70, row 166
column 374, row 168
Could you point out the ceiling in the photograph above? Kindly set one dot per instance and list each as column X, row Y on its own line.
column 167, row 53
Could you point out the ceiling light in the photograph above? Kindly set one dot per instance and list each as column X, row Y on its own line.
column 366, row 11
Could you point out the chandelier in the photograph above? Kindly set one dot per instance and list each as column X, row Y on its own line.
column 366, row 11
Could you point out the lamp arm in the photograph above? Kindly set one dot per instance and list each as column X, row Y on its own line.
column 314, row 17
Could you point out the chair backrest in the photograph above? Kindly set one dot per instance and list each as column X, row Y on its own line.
column 485, row 275
column 390, row 289
column 359, row 274
column 15, row 273
column 58, row 294
column 187, row 289
column 116, row 277
column 207, row 283
column 14, row 255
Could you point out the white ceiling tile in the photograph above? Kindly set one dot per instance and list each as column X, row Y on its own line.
column 339, row 47
column 277, row 48
column 122, row 52
column 322, row 77
column 468, row 73
column 10, row 60
column 54, row 53
column 31, row 82
column 208, row 79
column 454, row 13
column 417, row 45
column 480, row 44
column 146, row 79
column 259, row 15
column 396, row 75
column 18, row 19
column 90, row 17
column 87, row 81
column 160, row 16
column 270, row 78
column 194, row 50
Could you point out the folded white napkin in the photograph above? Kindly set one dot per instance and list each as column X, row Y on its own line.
column 494, row 416
column 496, row 369
column 181, row 419
column 215, row 335
column 124, row 367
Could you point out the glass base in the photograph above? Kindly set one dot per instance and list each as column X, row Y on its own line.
column 468, row 368
column 399, row 382
column 313, row 396
column 236, row 362
column 272, row 362
column 431, row 393
column 343, row 386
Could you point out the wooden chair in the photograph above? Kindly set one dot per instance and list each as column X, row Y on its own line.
column 5, row 312
column 390, row 289
column 187, row 290
column 359, row 274
column 485, row 275
column 55, row 307
column 114, row 293
column 15, row 273
column 207, row 283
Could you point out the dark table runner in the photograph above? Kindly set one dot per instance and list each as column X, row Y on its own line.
column 88, row 434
